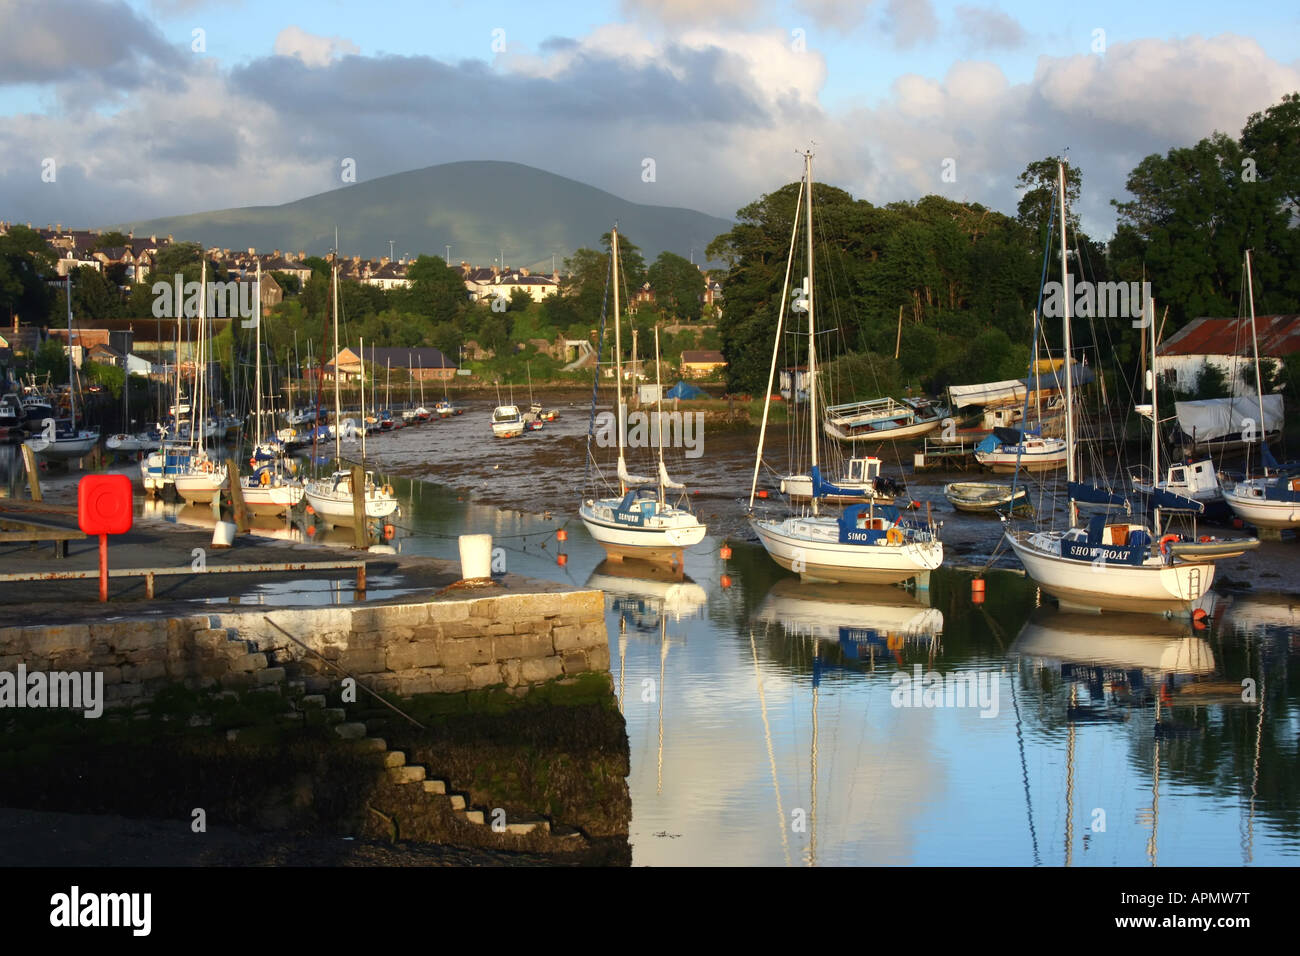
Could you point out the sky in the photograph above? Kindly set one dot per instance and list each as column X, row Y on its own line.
column 113, row 110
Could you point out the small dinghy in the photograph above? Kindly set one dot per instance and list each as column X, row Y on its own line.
column 986, row 497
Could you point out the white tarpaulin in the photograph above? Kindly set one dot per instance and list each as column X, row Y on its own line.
column 987, row 394
column 1220, row 417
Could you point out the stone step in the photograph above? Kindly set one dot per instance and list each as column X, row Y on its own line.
column 394, row 758
column 435, row 786
column 411, row 774
column 472, row 816
column 336, row 715
column 524, row 827
column 350, row 731
column 270, row 675
column 313, row 701
column 457, row 801
column 372, row 745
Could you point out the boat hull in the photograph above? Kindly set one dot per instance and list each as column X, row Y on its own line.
column 1091, row 586
column 646, row 544
column 837, row 563
column 1264, row 512
column 272, row 499
column 200, row 488
column 336, row 509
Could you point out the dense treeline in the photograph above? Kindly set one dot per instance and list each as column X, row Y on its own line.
column 966, row 279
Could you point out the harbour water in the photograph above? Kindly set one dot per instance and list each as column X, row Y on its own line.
column 778, row 723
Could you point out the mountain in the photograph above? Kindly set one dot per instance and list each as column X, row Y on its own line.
column 483, row 209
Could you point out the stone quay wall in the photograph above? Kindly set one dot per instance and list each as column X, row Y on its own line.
column 448, row 645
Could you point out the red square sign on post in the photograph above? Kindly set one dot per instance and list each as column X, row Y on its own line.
column 104, row 507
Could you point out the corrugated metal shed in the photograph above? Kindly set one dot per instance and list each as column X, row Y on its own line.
column 1279, row 336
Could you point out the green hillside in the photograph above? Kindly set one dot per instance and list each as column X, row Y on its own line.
column 481, row 208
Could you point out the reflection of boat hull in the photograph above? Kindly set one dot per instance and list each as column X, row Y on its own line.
column 830, row 561
column 670, row 593
column 1134, row 641
column 1113, row 587
column 850, row 612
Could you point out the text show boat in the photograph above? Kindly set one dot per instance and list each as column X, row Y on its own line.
column 868, row 543
column 640, row 522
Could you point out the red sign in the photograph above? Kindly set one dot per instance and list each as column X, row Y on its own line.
column 104, row 504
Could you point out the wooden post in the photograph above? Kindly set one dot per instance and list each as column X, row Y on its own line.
column 898, row 342
column 33, row 476
column 237, row 495
column 361, row 534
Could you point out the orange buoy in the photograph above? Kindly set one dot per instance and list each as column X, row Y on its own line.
column 311, row 531
column 561, row 535
column 1206, row 539
column 725, row 553
column 977, row 591
column 561, row 559
column 1199, row 618
column 311, row 510
column 725, row 580
column 762, row 494
column 1238, row 523
column 389, row 531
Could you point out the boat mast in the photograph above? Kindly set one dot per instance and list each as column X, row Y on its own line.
column 618, row 365
column 338, row 451
column 257, row 337
column 659, row 415
column 812, row 341
column 776, row 348
column 1155, row 417
column 1259, row 383
column 1069, row 372
column 197, row 415
column 72, row 381
column 362, row 346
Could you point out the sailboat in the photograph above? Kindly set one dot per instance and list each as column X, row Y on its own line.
column 202, row 479
column 61, row 439
column 267, row 491
column 1114, row 563
column 1269, row 501
column 640, row 522
column 333, row 498
column 869, row 543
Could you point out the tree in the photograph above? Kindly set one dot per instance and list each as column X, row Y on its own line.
column 25, row 259
column 494, row 335
column 93, row 298
column 437, row 291
column 52, row 361
column 520, row 300
column 678, row 286
column 1040, row 181
column 111, row 240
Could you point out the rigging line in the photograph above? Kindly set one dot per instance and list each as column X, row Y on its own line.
column 1038, row 318
column 595, row 378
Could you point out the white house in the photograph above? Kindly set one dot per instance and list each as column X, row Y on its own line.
column 1225, row 344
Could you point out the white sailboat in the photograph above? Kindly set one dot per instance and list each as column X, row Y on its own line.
column 202, row 479
column 640, row 522
column 268, row 490
column 61, row 439
column 1114, row 563
column 1269, row 501
column 869, row 543
column 333, row 498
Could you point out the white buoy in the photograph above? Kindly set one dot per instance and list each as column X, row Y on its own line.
column 475, row 556
column 223, row 534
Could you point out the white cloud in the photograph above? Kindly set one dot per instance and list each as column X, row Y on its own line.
column 842, row 15
column 311, row 49
column 988, row 28
column 910, row 22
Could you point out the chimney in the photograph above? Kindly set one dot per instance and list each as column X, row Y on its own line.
column 276, row 254
column 169, row 237
column 356, row 259
column 302, row 254
column 153, row 240
column 252, row 251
